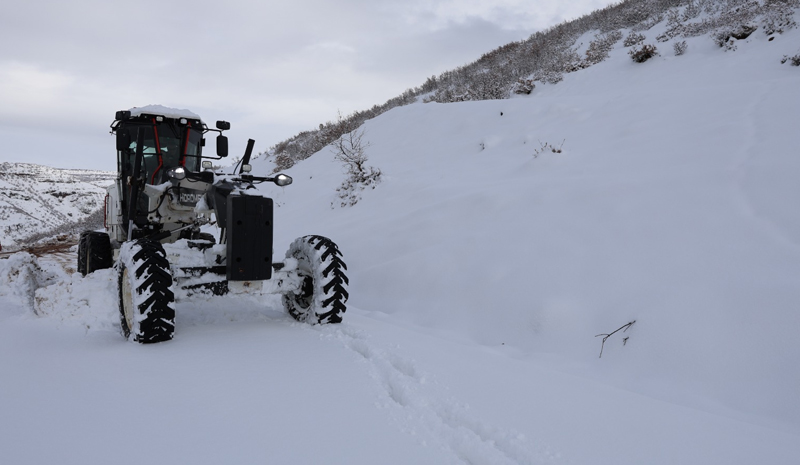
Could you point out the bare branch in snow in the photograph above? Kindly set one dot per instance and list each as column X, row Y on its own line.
column 606, row 336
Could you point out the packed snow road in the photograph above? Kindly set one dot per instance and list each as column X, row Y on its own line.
column 244, row 383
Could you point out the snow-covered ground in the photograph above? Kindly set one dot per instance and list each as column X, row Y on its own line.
column 480, row 277
column 35, row 199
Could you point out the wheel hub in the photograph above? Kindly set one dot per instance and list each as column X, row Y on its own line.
column 127, row 300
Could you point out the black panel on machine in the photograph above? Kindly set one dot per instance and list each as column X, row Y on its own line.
column 249, row 233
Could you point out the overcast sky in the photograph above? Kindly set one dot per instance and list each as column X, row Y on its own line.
column 270, row 68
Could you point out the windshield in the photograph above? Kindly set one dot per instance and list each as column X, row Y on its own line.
column 192, row 152
column 166, row 145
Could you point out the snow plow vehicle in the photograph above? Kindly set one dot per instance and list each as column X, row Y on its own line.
column 164, row 194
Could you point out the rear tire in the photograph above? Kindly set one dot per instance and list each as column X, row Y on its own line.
column 82, row 253
column 99, row 255
column 146, row 295
column 323, row 295
column 94, row 252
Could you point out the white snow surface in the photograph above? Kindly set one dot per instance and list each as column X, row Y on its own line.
column 164, row 111
column 480, row 277
column 35, row 198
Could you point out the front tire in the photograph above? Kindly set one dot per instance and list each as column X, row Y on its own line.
column 323, row 295
column 146, row 294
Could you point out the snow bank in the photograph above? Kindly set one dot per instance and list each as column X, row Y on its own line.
column 90, row 303
column 21, row 275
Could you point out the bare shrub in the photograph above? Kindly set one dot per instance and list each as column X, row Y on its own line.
column 779, row 18
column 523, row 86
column 283, row 161
column 794, row 61
column 600, row 47
column 548, row 75
column 643, row 53
column 728, row 36
column 487, row 85
column 649, row 22
column 350, row 150
column 634, row 38
column 680, row 47
column 547, row 147
column 691, row 11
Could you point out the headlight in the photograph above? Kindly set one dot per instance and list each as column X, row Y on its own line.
column 282, row 180
column 177, row 173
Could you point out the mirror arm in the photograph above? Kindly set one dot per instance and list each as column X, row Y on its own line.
column 247, row 153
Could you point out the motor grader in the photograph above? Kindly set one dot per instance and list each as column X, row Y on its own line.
column 158, row 214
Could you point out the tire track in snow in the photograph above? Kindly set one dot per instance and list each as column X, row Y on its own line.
column 423, row 409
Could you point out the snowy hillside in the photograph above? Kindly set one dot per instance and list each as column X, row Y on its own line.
column 35, row 198
column 672, row 203
column 482, row 270
column 644, row 27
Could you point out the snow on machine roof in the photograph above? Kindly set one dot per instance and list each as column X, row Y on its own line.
column 163, row 111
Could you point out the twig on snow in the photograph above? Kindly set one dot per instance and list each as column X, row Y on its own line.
column 606, row 336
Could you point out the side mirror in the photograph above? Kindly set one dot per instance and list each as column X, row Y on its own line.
column 222, row 146
column 123, row 140
column 282, row 180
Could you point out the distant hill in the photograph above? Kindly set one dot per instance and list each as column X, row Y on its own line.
column 38, row 201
